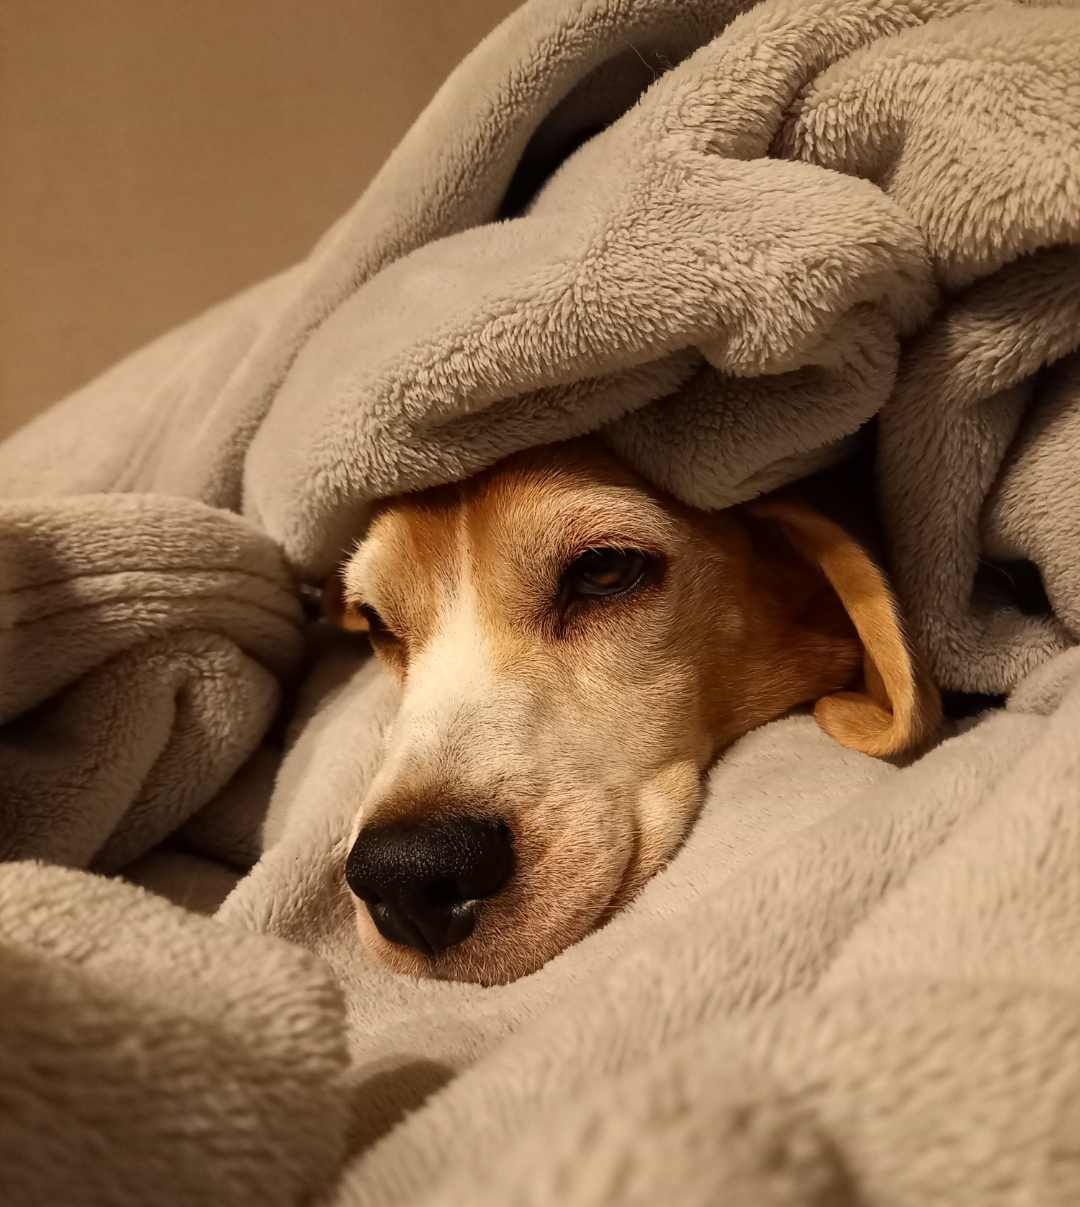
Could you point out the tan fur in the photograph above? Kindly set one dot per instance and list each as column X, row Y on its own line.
column 899, row 707
column 590, row 740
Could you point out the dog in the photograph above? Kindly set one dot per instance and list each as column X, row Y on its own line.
column 574, row 649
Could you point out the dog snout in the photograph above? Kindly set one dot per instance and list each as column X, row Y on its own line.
column 422, row 881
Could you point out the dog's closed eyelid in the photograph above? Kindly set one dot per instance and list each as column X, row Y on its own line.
column 377, row 628
column 608, row 575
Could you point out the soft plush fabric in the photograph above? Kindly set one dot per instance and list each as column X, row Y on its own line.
column 726, row 237
column 151, row 1056
column 141, row 639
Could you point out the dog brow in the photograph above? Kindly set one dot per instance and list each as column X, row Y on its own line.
column 357, row 576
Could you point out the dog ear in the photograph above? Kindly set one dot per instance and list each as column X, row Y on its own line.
column 337, row 611
column 898, row 707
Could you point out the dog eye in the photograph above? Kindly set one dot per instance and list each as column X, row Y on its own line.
column 601, row 573
column 378, row 631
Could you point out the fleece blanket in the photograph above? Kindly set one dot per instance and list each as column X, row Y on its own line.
column 739, row 241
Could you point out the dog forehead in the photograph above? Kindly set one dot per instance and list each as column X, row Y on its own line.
column 411, row 534
column 561, row 496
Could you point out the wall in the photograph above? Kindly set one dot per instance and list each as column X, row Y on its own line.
column 158, row 155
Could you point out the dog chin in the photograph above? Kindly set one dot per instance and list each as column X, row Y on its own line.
column 484, row 958
column 558, row 897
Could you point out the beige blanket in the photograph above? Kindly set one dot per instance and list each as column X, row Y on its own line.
column 727, row 240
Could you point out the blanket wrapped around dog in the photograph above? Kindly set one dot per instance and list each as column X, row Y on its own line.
column 726, row 237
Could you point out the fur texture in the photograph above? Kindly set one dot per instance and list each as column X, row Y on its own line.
column 586, row 728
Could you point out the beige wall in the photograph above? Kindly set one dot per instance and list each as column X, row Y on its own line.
column 158, row 155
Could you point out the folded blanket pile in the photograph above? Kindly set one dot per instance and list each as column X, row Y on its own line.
column 142, row 639
column 727, row 237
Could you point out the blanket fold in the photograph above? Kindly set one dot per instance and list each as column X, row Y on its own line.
column 149, row 1056
column 737, row 240
column 141, row 639
column 726, row 223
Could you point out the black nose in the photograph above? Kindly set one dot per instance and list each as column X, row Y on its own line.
column 421, row 880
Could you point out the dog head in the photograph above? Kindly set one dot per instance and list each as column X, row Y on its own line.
column 574, row 648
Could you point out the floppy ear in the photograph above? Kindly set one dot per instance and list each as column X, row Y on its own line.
column 898, row 707
column 336, row 610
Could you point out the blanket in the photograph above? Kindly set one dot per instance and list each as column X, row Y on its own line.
column 739, row 241
column 855, row 984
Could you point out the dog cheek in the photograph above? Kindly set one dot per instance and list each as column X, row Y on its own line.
column 575, row 848
column 665, row 809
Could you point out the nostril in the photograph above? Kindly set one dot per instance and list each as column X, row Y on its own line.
column 421, row 881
